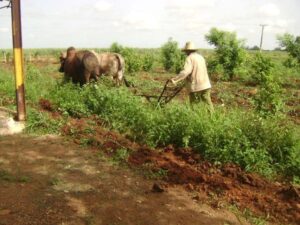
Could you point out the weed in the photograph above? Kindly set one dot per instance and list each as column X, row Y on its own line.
column 8, row 177
column 54, row 181
column 120, row 155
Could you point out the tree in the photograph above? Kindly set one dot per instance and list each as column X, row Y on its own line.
column 291, row 44
column 229, row 50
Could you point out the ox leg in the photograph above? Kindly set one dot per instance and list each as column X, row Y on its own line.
column 119, row 77
column 87, row 75
column 97, row 74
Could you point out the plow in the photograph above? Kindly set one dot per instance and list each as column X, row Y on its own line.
column 166, row 95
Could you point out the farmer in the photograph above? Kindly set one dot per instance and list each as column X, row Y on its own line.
column 195, row 74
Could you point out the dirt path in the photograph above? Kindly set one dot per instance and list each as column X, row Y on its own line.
column 48, row 180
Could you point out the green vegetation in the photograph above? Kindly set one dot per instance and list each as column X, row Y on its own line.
column 268, row 100
column 229, row 54
column 134, row 61
column 253, row 137
column 262, row 145
column 291, row 44
column 6, row 176
column 172, row 57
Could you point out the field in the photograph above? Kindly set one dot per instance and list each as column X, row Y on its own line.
column 241, row 157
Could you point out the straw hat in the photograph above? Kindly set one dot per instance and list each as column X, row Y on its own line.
column 189, row 46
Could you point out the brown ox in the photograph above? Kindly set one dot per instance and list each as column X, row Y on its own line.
column 79, row 66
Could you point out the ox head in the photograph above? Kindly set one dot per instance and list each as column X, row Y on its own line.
column 62, row 60
column 71, row 51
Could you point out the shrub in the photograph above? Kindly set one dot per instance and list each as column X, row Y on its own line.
column 115, row 47
column 172, row 57
column 268, row 101
column 262, row 68
column 148, row 62
column 291, row 44
column 133, row 62
column 229, row 50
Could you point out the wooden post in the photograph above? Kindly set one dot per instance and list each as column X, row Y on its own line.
column 18, row 59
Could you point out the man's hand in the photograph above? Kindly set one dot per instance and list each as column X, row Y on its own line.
column 173, row 81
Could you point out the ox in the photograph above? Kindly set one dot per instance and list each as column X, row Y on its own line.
column 79, row 66
column 112, row 64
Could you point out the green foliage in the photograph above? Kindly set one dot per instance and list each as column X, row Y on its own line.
column 291, row 44
column 148, row 62
column 6, row 176
column 257, row 144
column 121, row 155
column 7, row 87
column 262, row 68
column 290, row 63
column 37, row 84
column 71, row 99
column 116, row 48
column 229, row 51
column 172, row 57
column 41, row 123
column 133, row 62
column 263, row 144
column 268, row 101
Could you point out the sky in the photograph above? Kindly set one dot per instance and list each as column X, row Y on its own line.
column 147, row 24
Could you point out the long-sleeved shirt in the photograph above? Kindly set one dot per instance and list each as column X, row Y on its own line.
column 195, row 73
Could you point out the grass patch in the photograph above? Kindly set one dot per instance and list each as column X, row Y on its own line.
column 6, row 176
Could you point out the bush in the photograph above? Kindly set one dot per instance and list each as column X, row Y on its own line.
column 268, row 101
column 148, row 62
column 133, row 62
column 172, row 57
column 291, row 44
column 116, row 48
column 262, row 68
column 229, row 51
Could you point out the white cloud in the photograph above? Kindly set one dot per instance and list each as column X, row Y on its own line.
column 3, row 29
column 270, row 10
column 102, row 6
column 188, row 8
column 139, row 21
column 228, row 27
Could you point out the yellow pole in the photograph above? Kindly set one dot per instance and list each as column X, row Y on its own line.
column 18, row 59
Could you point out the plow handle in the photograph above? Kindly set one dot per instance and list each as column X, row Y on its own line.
column 161, row 94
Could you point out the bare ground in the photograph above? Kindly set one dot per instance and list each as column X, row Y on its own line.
column 48, row 180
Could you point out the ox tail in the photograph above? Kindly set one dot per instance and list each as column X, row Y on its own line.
column 121, row 67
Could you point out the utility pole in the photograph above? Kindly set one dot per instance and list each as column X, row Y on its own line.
column 18, row 58
column 262, row 35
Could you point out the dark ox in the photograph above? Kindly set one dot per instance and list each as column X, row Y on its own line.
column 79, row 66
